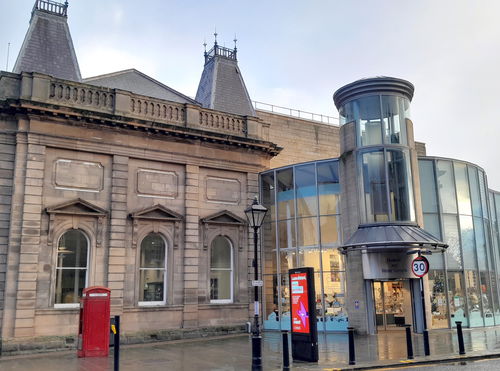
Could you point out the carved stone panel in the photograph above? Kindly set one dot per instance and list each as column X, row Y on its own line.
column 78, row 175
column 223, row 190
column 156, row 183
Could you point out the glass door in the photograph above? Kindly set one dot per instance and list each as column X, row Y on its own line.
column 390, row 299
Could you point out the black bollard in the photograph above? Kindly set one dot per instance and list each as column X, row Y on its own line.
column 427, row 350
column 352, row 353
column 286, row 354
column 461, row 346
column 116, row 352
column 409, row 345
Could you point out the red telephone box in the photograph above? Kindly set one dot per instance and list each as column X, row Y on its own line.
column 93, row 329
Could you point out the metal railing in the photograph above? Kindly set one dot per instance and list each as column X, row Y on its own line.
column 221, row 51
column 330, row 120
column 51, row 7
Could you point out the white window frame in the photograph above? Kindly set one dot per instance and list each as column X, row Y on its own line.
column 231, row 269
column 71, row 305
column 165, row 272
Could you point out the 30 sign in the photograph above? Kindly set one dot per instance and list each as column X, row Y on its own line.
column 420, row 266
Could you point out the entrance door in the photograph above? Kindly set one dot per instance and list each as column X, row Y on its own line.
column 392, row 304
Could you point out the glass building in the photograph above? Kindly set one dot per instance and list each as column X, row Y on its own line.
column 463, row 282
column 360, row 219
column 302, row 228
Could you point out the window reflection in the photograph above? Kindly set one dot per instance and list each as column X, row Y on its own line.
column 374, row 186
column 394, row 120
column 367, row 111
column 305, row 183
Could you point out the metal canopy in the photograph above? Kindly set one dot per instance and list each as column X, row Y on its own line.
column 384, row 236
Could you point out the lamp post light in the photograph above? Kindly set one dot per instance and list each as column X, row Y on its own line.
column 255, row 214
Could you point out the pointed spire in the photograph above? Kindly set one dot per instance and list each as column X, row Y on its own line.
column 48, row 47
column 221, row 85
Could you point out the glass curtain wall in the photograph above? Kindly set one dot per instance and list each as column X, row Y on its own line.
column 455, row 209
column 302, row 229
column 384, row 166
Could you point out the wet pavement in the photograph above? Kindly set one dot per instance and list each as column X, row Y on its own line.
column 234, row 353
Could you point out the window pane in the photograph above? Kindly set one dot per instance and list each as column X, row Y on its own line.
column 468, row 246
column 394, row 124
column 457, row 299
column 220, row 253
column 69, row 285
column 463, row 194
column 474, row 191
column 268, row 194
column 305, row 183
column 332, row 260
column 451, row 237
column 286, row 206
column 329, row 230
column 374, row 186
column 482, row 190
column 72, row 249
column 287, row 234
column 446, row 187
column 474, row 297
column 367, row 113
column 153, row 251
column 220, row 285
column 428, row 187
column 152, row 285
column 308, row 231
column 439, row 309
column 328, row 187
column 401, row 192
column 431, row 225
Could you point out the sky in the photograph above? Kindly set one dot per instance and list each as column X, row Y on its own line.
column 297, row 53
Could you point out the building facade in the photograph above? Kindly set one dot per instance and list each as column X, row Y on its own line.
column 121, row 181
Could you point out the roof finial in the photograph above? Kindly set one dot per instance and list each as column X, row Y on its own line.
column 205, row 45
column 215, row 34
column 235, row 40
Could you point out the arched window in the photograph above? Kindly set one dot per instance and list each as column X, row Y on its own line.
column 221, row 270
column 153, row 272
column 72, row 268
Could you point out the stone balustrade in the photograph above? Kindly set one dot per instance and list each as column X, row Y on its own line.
column 74, row 94
column 42, row 88
column 157, row 110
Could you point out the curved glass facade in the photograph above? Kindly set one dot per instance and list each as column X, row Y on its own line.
column 302, row 228
column 463, row 281
column 384, row 167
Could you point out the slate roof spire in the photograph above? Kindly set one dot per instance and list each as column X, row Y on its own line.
column 48, row 47
column 221, row 85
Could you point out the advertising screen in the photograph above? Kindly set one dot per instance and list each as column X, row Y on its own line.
column 300, row 304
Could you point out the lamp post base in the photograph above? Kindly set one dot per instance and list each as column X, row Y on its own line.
column 256, row 353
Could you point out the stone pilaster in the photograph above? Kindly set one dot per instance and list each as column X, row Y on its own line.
column 30, row 241
column 117, row 234
column 14, row 237
column 191, row 248
column 252, row 191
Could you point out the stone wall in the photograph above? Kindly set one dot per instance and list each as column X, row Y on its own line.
column 301, row 140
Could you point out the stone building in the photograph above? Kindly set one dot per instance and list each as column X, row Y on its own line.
column 121, row 181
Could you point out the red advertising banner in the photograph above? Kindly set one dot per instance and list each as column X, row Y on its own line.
column 300, row 304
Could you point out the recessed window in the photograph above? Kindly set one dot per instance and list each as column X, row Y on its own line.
column 152, row 270
column 221, row 271
column 71, row 268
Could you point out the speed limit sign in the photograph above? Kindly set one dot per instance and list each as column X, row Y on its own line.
column 420, row 266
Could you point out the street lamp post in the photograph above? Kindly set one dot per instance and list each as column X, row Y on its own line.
column 255, row 214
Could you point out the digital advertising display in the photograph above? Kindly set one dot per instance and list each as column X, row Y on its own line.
column 300, row 303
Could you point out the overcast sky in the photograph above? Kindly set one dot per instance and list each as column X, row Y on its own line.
column 296, row 53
